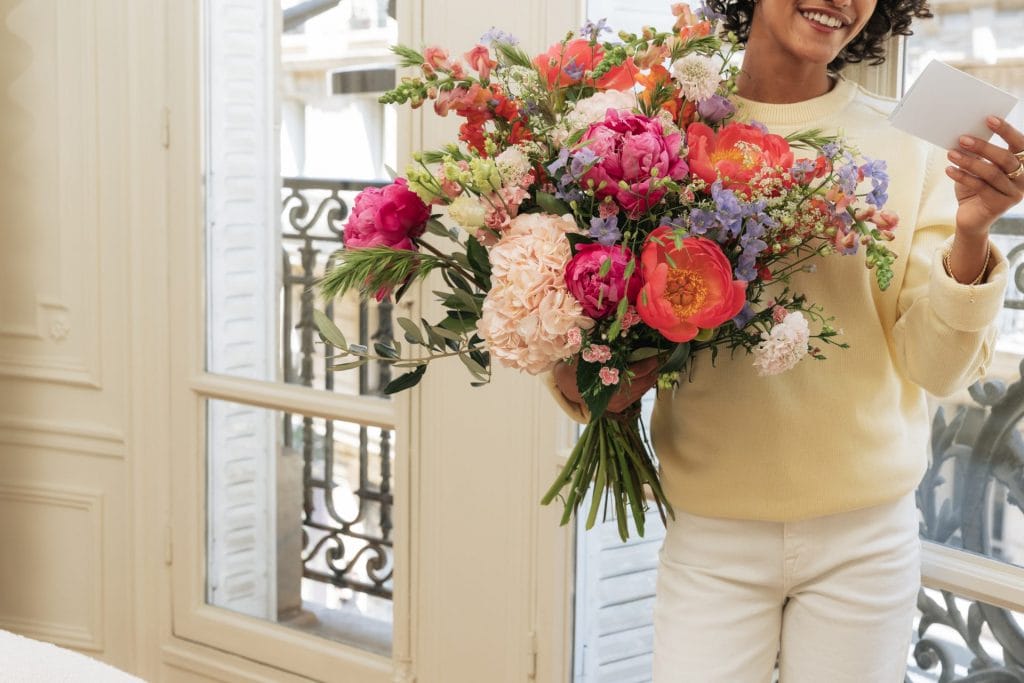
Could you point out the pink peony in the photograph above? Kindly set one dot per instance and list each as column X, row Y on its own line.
column 529, row 315
column 389, row 216
column 631, row 147
column 600, row 294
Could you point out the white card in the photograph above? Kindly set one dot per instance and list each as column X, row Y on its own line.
column 945, row 103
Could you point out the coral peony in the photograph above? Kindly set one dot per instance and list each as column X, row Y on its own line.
column 739, row 154
column 390, row 216
column 600, row 294
column 634, row 150
column 686, row 288
column 529, row 314
column 565, row 65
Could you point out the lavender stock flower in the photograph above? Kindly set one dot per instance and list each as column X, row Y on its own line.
column 715, row 108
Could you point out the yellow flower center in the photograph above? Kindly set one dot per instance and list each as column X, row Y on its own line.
column 731, row 154
column 686, row 291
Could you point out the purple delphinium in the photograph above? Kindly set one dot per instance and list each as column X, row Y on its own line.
column 728, row 212
column 745, row 315
column 496, row 35
column 582, row 161
column 605, row 230
column 848, row 175
column 830, row 149
column 573, row 70
column 705, row 13
column 875, row 169
column 593, row 30
column 801, row 169
column 702, row 221
column 560, row 161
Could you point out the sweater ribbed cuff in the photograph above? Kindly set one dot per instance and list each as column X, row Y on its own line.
column 963, row 307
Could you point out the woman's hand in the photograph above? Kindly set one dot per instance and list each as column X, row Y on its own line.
column 987, row 186
column 645, row 376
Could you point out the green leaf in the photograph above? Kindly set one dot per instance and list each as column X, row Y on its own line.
column 328, row 330
column 478, row 259
column 552, row 204
column 642, row 353
column 446, row 334
column 385, row 351
column 677, row 360
column 406, row 381
column 349, row 366
column 412, row 333
column 435, row 341
column 436, row 227
column 606, row 267
column 473, row 366
column 460, row 324
column 576, row 239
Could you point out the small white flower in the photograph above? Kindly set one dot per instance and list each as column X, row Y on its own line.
column 784, row 347
column 591, row 110
column 698, row 76
column 469, row 212
column 513, row 165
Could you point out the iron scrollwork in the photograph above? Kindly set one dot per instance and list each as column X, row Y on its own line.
column 353, row 552
column 983, row 448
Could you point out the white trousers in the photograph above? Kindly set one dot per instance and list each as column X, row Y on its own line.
column 831, row 598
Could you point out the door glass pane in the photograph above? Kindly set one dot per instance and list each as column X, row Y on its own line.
column 299, row 527
column 300, row 522
column 294, row 132
column 971, row 497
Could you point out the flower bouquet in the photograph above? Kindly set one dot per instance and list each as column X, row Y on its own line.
column 603, row 205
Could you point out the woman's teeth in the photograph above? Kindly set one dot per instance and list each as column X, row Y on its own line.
column 823, row 19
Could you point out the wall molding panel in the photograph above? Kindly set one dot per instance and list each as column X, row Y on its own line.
column 81, row 438
column 53, row 554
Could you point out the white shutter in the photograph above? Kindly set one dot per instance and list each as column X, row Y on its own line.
column 243, row 253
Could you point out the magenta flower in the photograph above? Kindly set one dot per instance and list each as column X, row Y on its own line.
column 600, row 294
column 634, row 150
column 390, row 216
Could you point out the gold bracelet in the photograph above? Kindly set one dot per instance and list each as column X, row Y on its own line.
column 975, row 281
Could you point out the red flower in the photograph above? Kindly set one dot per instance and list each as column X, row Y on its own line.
column 564, row 65
column 686, row 288
column 739, row 154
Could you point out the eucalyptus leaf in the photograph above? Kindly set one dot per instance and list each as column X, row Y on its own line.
column 329, row 330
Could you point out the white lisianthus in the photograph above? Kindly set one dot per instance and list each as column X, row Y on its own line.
column 469, row 212
column 513, row 165
column 698, row 76
column 784, row 347
column 591, row 110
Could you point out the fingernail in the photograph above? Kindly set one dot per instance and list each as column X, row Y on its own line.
column 956, row 156
column 995, row 121
column 966, row 141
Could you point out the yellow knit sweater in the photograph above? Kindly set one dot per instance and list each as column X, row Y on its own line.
column 851, row 431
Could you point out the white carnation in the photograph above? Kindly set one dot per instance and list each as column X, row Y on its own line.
column 591, row 110
column 469, row 212
column 698, row 76
column 513, row 165
column 784, row 347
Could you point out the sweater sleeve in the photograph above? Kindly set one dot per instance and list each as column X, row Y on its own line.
column 945, row 332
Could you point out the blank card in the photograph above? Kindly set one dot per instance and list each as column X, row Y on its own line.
column 945, row 103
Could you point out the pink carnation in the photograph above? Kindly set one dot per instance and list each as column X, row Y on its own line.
column 529, row 313
column 631, row 147
column 609, row 376
column 597, row 353
column 390, row 216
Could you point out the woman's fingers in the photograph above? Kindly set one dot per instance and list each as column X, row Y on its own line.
column 986, row 170
column 1001, row 157
column 1013, row 137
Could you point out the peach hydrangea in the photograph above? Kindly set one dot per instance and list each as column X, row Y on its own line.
column 529, row 314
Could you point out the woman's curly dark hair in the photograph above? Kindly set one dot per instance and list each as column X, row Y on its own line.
column 891, row 17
